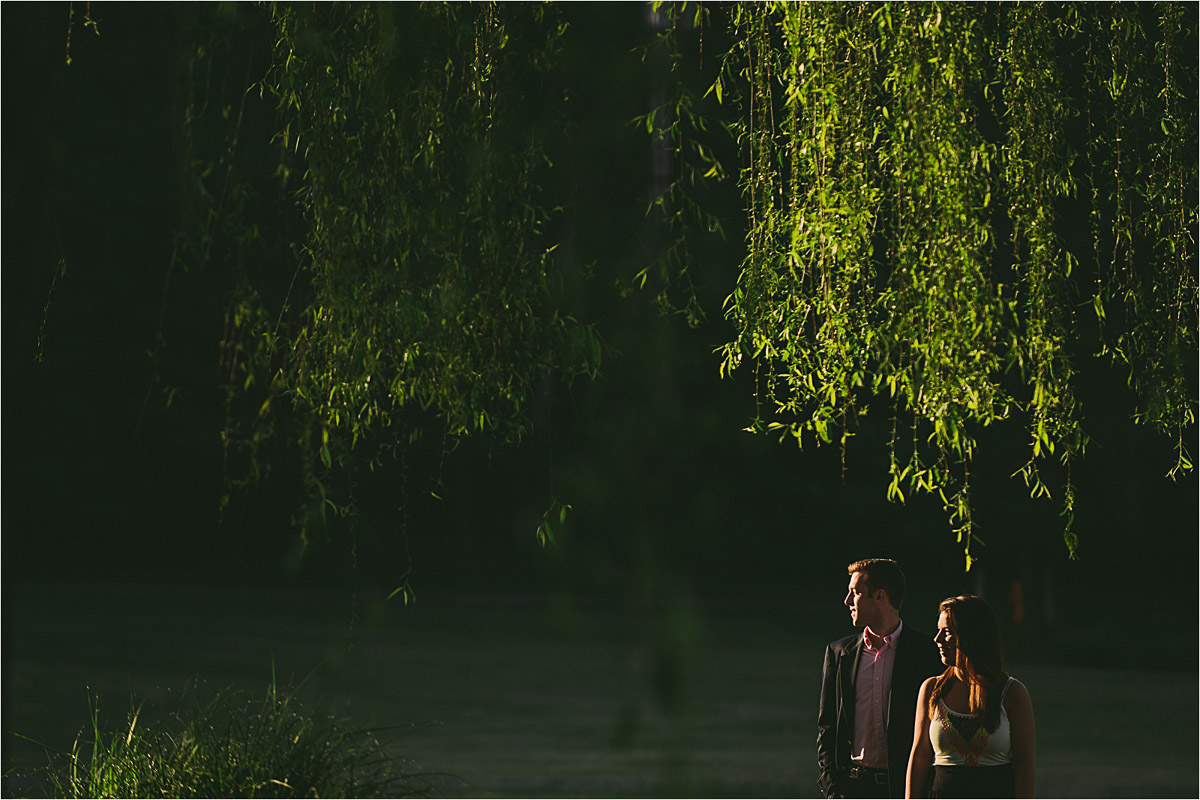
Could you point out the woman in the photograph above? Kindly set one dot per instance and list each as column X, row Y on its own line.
column 974, row 722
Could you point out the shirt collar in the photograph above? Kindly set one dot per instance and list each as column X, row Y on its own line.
column 888, row 641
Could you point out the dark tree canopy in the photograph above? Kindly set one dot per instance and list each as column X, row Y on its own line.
column 411, row 275
column 949, row 209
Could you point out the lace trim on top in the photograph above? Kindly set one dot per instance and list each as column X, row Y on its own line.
column 964, row 736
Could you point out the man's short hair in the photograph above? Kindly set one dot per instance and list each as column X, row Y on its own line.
column 882, row 573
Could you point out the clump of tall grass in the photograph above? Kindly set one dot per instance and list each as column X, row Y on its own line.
column 230, row 745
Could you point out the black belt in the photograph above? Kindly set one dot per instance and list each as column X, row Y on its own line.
column 868, row 774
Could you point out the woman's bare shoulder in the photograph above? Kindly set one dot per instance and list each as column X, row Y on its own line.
column 1016, row 693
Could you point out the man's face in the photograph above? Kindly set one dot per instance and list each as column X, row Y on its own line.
column 864, row 604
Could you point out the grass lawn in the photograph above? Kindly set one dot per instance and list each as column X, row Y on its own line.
column 546, row 697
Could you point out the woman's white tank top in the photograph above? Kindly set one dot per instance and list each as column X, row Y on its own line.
column 961, row 740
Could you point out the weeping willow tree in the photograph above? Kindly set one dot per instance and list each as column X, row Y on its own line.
column 409, row 281
column 909, row 172
column 948, row 207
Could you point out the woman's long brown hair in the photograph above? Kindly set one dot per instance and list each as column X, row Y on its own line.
column 977, row 656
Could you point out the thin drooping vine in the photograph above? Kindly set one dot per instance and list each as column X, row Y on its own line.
column 682, row 131
column 1035, row 180
column 1143, row 171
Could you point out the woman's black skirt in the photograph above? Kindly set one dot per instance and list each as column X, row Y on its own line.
column 974, row 781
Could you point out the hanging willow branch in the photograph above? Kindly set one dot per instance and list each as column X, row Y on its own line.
column 414, row 284
column 431, row 282
column 905, row 167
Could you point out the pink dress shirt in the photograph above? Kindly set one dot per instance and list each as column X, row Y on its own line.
column 872, row 695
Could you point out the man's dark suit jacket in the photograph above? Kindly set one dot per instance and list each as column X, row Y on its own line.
column 916, row 659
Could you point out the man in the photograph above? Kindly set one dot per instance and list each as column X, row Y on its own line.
column 869, row 688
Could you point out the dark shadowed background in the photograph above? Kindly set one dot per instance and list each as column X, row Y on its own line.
column 668, row 643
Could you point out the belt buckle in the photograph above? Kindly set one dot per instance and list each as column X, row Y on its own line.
column 864, row 773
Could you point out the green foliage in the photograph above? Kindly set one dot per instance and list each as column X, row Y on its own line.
column 431, row 277
column 229, row 745
column 914, row 179
column 904, row 168
column 1143, row 176
column 683, row 161
column 415, row 284
column 1036, row 178
column 556, row 514
column 88, row 22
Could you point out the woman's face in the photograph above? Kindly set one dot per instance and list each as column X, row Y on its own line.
column 945, row 640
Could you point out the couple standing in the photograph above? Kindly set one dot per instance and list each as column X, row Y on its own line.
column 904, row 713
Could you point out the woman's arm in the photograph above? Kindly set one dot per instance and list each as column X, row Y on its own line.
column 1020, row 717
column 921, row 758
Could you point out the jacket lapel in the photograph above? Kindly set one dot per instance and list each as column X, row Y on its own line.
column 898, row 665
column 849, row 670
